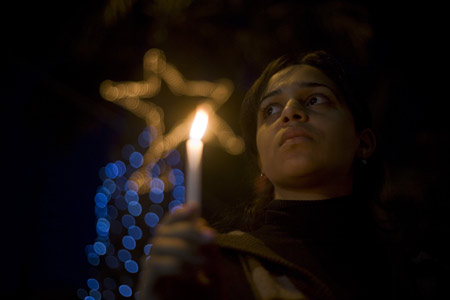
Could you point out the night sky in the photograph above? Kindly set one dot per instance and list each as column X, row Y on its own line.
column 59, row 131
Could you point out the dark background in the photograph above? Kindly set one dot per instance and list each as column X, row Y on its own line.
column 58, row 131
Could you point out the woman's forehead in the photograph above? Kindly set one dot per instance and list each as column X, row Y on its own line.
column 298, row 74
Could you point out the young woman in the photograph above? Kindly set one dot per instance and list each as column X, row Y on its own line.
column 310, row 232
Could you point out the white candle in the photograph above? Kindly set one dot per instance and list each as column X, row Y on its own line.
column 194, row 149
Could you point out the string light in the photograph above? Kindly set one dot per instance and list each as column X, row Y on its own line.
column 138, row 187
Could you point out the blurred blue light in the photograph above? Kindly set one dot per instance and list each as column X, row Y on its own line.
column 93, row 259
column 108, row 295
column 151, row 219
column 102, row 173
column 121, row 167
column 89, row 298
column 101, row 200
column 134, row 208
column 179, row 193
column 120, row 183
column 136, row 159
column 147, row 249
column 153, row 170
column 131, row 266
column 174, row 205
column 176, row 176
column 125, row 290
column 127, row 150
column 104, row 190
column 99, row 248
column 111, row 170
column 131, row 196
column 93, row 284
column 110, row 185
column 145, row 139
column 128, row 221
column 112, row 262
column 112, row 212
column 173, row 158
column 131, row 186
column 156, row 196
column 157, row 185
column 104, row 240
column 82, row 293
column 124, row 255
column 135, row 232
column 121, row 203
column 95, row 294
column 103, row 225
column 109, row 283
column 101, row 212
column 128, row 242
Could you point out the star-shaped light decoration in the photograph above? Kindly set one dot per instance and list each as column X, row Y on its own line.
column 134, row 96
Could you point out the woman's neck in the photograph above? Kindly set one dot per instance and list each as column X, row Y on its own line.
column 319, row 193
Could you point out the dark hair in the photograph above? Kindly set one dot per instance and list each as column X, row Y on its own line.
column 368, row 179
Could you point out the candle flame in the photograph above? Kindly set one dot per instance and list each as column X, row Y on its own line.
column 199, row 126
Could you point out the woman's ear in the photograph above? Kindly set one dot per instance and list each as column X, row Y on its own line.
column 367, row 143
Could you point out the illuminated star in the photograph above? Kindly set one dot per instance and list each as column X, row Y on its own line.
column 130, row 96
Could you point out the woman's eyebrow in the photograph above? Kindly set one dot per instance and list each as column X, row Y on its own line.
column 298, row 84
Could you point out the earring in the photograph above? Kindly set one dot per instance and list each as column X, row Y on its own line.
column 364, row 161
column 261, row 175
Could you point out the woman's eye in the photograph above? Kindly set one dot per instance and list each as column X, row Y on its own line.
column 271, row 109
column 316, row 99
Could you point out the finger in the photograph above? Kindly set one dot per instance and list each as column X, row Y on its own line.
column 189, row 211
column 163, row 265
column 177, row 248
column 187, row 231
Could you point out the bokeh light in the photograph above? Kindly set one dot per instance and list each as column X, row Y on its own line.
column 111, row 170
column 134, row 208
column 128, row 242
column 100, row 248
column 157, row 196
column 176, row 177
column 125, row 290
column 135, row 232
column 93, row 284
column 131, row 266
column 151, row 169
column 131, row 196
column 151, row 219
column 136, row 159
column 124, row 255
column 128, row 220
column 147, row 249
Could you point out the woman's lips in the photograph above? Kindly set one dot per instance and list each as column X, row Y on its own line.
column 293, row 135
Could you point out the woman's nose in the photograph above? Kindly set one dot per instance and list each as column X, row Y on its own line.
column 293, row 111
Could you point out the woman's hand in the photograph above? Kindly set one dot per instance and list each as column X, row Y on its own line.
column 177, row 253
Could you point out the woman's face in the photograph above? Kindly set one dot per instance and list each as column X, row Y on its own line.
column 306, row 136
